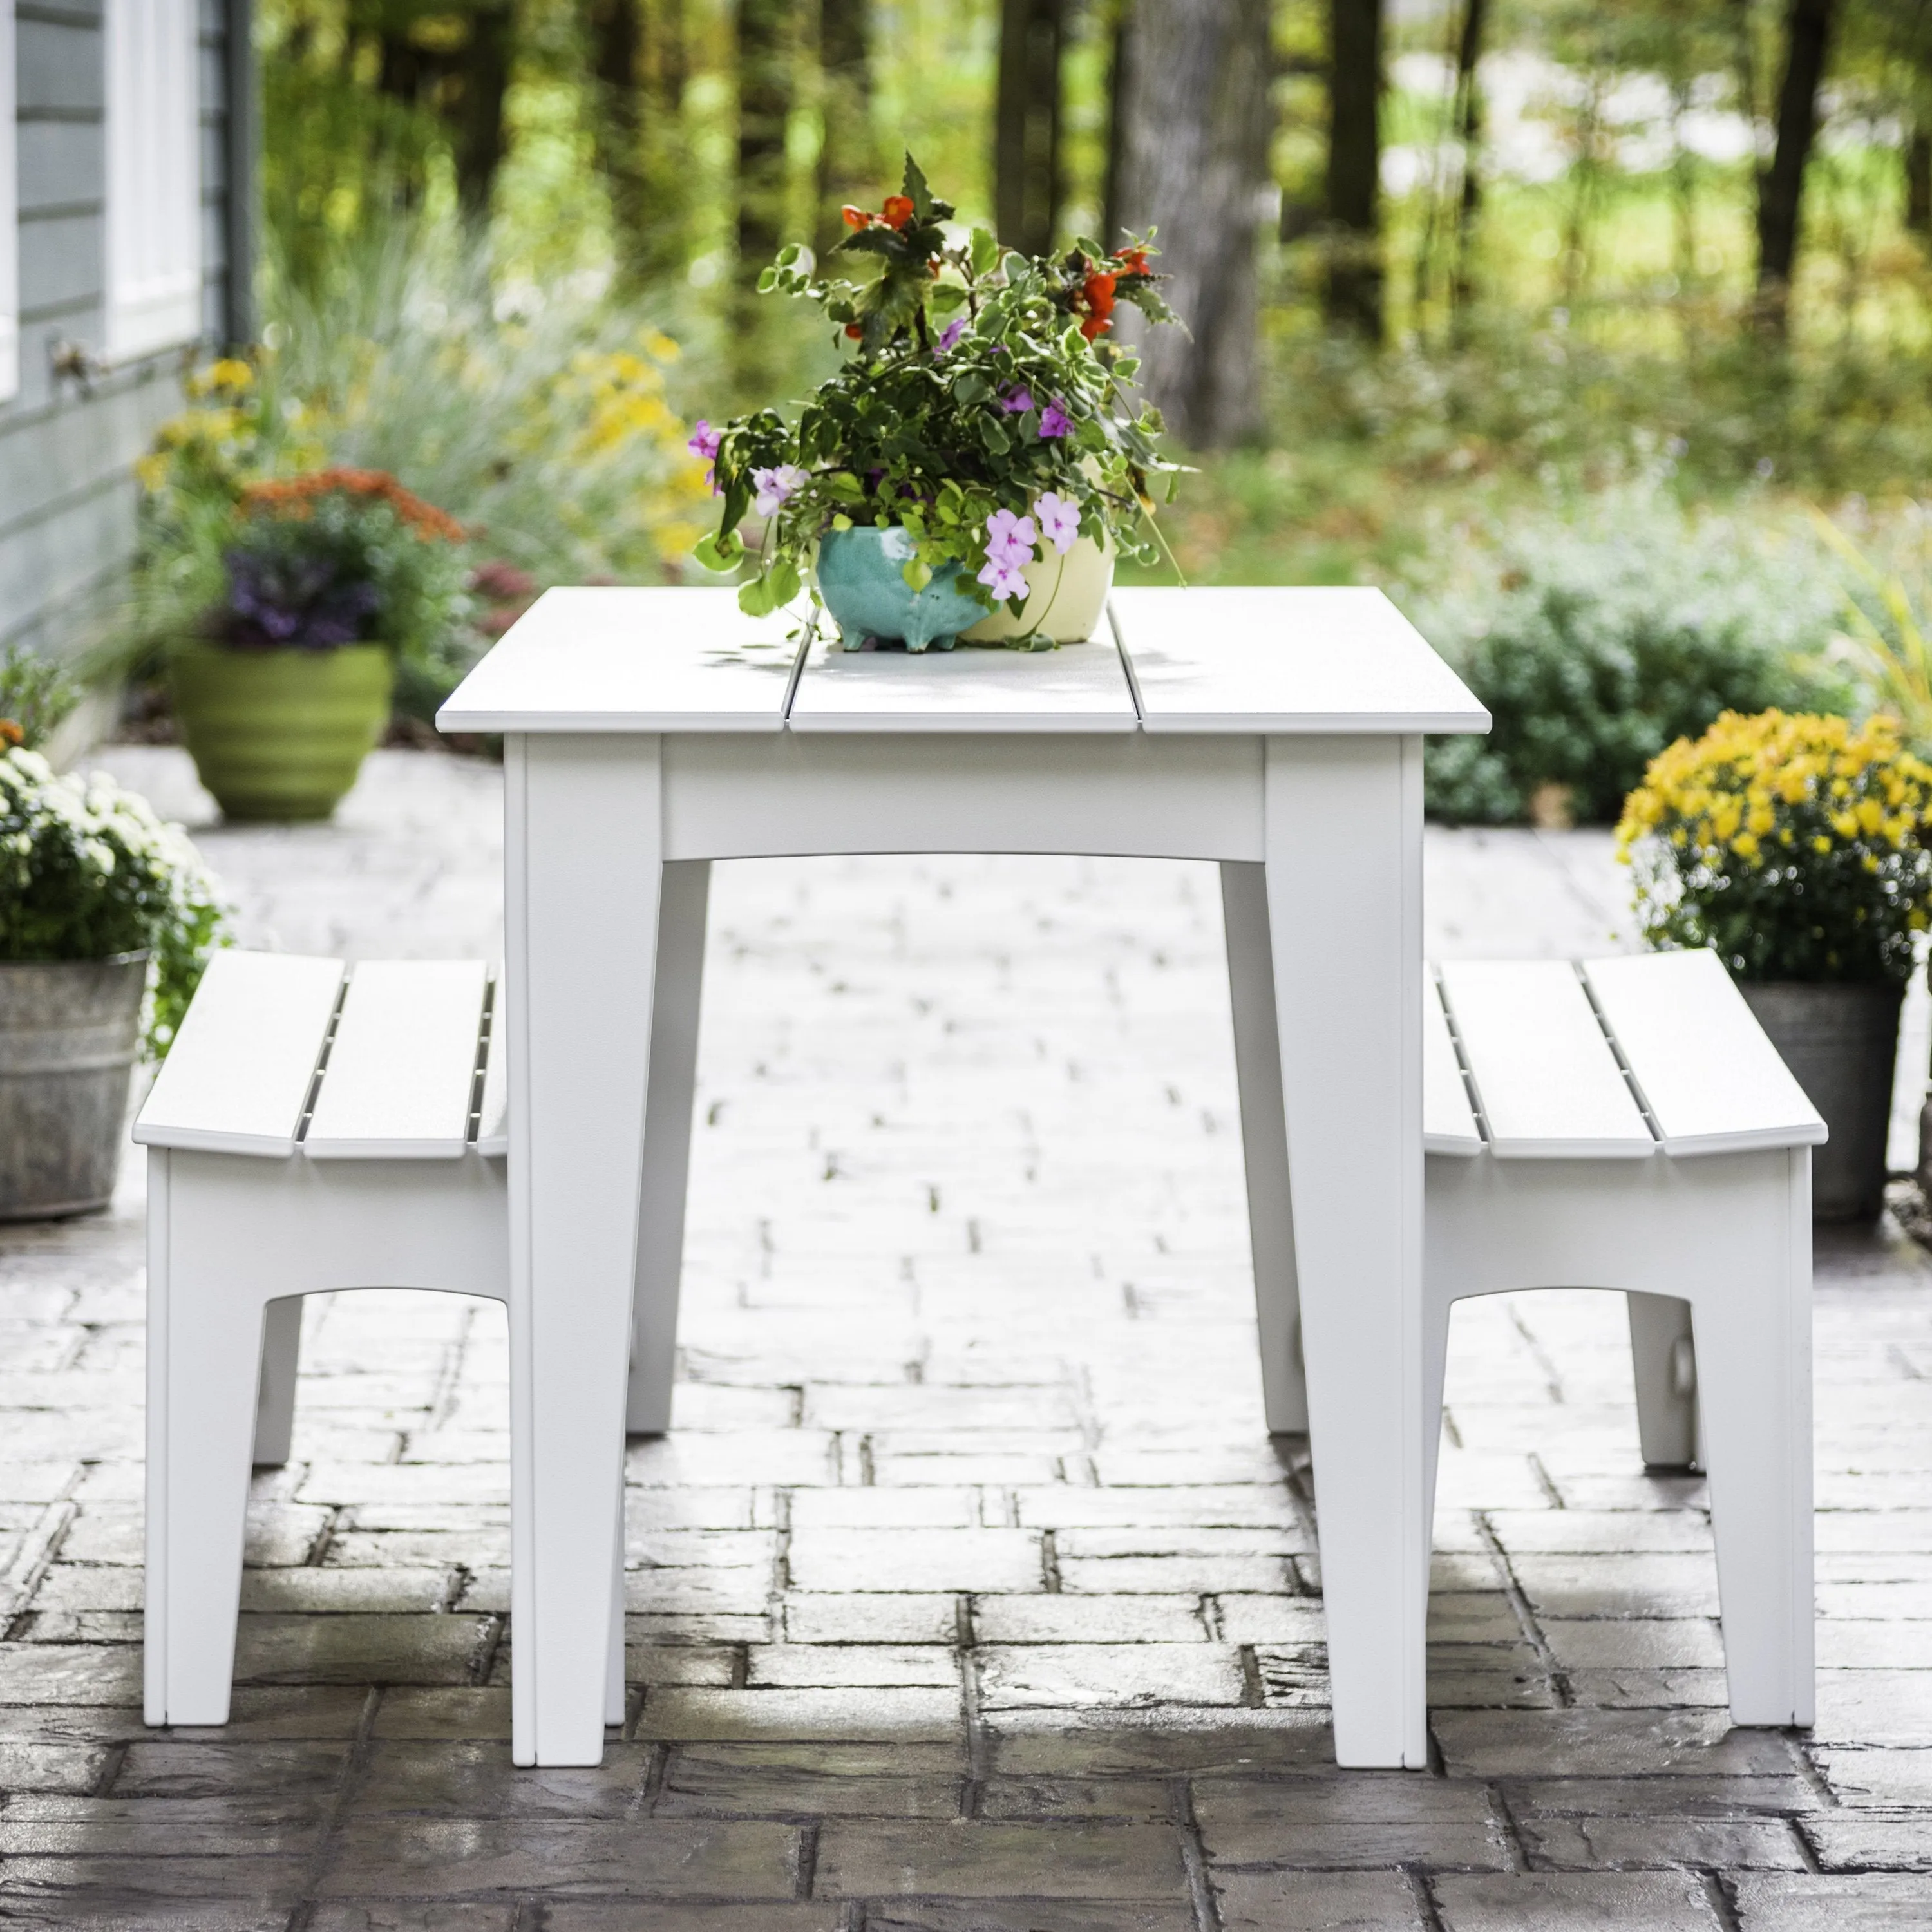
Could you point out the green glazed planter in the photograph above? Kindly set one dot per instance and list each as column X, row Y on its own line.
column 859, row 578
column 281, row 734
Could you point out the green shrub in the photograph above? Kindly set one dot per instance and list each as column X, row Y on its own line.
column 36, row 693
column 1596, row 641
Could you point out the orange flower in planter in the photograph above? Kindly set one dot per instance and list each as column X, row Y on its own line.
column 291, row 496
column 898, row 211
column 853, row 217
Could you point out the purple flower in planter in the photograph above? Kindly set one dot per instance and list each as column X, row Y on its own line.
column 1003, row 579
column 703, row 443
column 274, row 602
column 949, row 335
column 1010, row 539
column 1017, row 401
column 1059, row 521
column 1054, row 422
column 774, row 486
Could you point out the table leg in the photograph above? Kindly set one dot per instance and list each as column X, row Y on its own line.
column 680, row 978
column 1264, row 1144
column 1343, row 855
column 583, row 870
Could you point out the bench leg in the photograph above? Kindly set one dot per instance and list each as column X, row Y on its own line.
column 275, row 1400
column 1754, row 1391
column 205, row 1337
column 1345, row 921
column 614, row 1673
column 1665, row 1364
column 687, row 885
column 1265, row 1145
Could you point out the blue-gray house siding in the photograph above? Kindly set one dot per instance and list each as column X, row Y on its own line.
column 68, row 438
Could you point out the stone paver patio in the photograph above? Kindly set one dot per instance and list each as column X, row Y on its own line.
column 967, row 1594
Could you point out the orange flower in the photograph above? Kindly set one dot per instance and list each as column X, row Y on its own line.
column 853, row 217
column 898, row 211
column 1098, row 289
column 10, row 733
column 1134, row 261
column 1094, row 326
column 292, row 496
column 856, row 331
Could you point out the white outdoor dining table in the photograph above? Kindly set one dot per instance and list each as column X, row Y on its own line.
column 1279, row 732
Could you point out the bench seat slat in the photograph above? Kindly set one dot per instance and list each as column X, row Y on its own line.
column 1447, row 1125
column 237, row 1076
column 402, row 1071
column 1546, row 1082
column 493, row 1121
column 1713, row 1082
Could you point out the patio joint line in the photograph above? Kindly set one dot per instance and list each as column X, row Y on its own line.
column 1193, row 1856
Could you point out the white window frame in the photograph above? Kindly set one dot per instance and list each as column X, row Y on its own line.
column 10, row 210
column 153, row 59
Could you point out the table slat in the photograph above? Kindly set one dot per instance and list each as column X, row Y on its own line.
column 600, row 659
column 1323, row 659
column 1075, row 688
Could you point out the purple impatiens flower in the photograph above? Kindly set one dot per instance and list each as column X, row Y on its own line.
column 1054, row 422
column 949, row 335
column 774, row 485
column 703, row 443
column 1003, row 580
column 1059, row 521
column 1010, row 538
column 1017, row 401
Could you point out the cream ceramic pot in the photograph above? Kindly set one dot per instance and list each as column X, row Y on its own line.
column 1066, row 595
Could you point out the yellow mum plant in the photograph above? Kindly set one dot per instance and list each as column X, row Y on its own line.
column 1799, row 847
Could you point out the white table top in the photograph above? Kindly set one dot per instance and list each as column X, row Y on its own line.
column 1317, row 661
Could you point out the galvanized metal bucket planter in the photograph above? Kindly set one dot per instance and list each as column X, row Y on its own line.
column 69, row 1030
column 1841, row 1043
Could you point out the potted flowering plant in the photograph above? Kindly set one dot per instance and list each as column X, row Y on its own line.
column 102, row 907
column 976, row 460
column 328, row 577
column 1800, row 848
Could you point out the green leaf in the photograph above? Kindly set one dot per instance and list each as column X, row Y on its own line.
column 985, row 252
column 841, row 521
column 971, row 387
column 719, row 550
column 768, row 280
column 756, row 599
column 917, row 573
column 781, row 580
column 946, row 297
column 915, row 189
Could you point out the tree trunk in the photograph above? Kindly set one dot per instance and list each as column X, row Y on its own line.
column 1469, row 139
column 1353, row 297
column 848, row 157
column 1919, row 182
column 1193, row 165
column 484, row 75
column 1780, row 187
column 1026, row 146
column 1119, row 54
column 765, row 54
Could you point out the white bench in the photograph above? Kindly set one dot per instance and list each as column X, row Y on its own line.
column 313, row 1128
column 1625, row 1124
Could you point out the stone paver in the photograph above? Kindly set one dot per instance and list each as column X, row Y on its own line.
column 968, row 1594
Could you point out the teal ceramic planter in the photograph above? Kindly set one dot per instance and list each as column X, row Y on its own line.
column 859, row 577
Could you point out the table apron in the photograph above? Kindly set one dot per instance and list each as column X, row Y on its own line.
column 800, row 794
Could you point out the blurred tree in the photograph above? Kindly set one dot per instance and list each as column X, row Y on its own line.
column 766, row 54
column 1192, row 103
column 639, row 64
column 848, row 159
column 1780, row 187
column 1027, row 181
column 1352, row 295
column 1468, row 137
